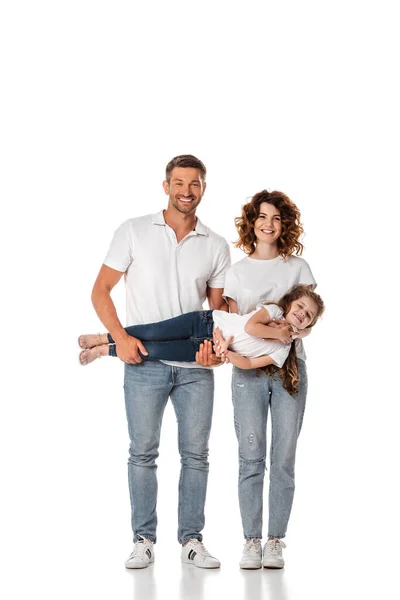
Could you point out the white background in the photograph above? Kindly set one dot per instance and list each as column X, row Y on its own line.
column 96, row 98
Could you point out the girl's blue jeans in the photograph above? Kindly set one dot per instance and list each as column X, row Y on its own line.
column 176, row 339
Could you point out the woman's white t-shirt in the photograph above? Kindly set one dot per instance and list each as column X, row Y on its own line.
column 251, row 282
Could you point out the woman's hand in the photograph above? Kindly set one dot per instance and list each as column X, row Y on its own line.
column 287, row 334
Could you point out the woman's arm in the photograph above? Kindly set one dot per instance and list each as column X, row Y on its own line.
column 233, row 306
column 303, row 333
column 257, row 325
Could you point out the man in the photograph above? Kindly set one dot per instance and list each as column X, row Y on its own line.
column 171, row 263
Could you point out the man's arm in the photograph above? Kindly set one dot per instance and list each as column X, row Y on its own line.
column 127, row 346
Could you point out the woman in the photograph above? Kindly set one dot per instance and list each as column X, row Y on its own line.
column 269, row 233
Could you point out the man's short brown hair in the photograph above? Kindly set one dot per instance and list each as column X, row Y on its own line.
column 186, row 161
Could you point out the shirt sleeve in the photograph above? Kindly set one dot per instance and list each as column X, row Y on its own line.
column 274, row 311
column 306, row 276
column 120, row 253
column 279, row 356
column 231, row 289
column 223, row 262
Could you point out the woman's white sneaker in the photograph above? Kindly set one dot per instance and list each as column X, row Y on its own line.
column 195, row 553
column 273, row 554
column 252, row 556
column 142, row 554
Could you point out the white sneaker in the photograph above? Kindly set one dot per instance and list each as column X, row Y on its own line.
column 142, row 554
column 195, row 553
column 251, row 557
column 273, row 554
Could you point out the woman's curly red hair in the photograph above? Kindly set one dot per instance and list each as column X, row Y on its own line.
column 289, row 240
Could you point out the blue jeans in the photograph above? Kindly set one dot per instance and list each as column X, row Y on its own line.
column 147, row 388
column 253, row 395
column 176, row 339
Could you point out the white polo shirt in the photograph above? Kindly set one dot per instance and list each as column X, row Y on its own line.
column 164, row 279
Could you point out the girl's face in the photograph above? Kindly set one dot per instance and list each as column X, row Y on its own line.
column 268, row 225
column 302, row 312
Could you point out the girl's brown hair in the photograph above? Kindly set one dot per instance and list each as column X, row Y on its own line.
column 292, row 229
column 290, row 370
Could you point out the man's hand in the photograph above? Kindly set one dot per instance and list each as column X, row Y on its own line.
column 128, row 350
column 205, row 356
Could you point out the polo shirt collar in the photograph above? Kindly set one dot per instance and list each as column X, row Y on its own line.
column 200, row 229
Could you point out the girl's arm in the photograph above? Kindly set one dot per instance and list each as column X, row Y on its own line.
column 257, row 325
column 242, row 362
column 221, row 349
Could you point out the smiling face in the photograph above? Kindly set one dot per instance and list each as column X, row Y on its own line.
column 268, row 225
column 185, row 189
column 302, row 312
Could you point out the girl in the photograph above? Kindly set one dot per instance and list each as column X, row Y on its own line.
column 251, row 341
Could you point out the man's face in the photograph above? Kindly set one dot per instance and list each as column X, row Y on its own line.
column 185, row 189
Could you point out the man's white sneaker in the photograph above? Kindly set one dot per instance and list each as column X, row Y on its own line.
column 142, row 554
column 251, row 557
column 273, row 554
column 195, row 553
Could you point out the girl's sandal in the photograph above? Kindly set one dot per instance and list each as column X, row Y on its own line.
column 89, row 355
column 90, row 340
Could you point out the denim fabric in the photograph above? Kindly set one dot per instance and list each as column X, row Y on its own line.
column 176, row 339
column 147, row 388
column 253, row 395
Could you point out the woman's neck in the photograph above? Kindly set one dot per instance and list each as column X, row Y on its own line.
column 265, row 251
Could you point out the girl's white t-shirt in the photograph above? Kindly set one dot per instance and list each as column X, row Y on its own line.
column 248, row 345
column 251, row 282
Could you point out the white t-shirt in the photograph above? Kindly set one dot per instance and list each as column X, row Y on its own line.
column 248, row 345
column 250, row 282
column 164, row 279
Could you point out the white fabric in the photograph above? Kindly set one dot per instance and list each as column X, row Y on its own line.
column 165, row 279
column 248, row 345
column 251, row 281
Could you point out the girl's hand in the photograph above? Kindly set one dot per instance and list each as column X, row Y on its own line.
column 220, row 344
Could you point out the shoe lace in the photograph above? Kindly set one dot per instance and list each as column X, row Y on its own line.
column 275, row 546
column 200, row 547
column 252, row 545
column 140, row 547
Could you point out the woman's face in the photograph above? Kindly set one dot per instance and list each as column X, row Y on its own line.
column 268, row 226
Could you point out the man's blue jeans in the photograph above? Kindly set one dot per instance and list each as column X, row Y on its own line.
column 147, row 388
column 254, row 393
column 176, row 339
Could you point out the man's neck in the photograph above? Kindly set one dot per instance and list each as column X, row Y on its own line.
column 182, row 224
